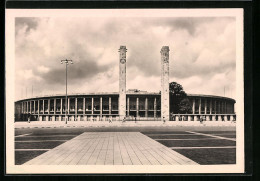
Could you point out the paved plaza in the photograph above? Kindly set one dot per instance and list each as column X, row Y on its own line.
column 111, row 148
column 135, row 145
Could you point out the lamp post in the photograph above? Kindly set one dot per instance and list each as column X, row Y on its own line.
column 66, row 104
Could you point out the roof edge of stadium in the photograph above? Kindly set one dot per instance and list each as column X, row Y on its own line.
column 212, row 96
column 130, row 92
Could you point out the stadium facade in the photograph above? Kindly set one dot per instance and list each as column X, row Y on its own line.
column 130, row 104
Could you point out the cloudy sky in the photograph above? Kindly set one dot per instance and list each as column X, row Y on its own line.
column 202, row 54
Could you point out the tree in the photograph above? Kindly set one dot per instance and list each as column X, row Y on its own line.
column 185, row 106
column 179, row 103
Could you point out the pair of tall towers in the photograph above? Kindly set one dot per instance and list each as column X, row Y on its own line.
column 165, row 99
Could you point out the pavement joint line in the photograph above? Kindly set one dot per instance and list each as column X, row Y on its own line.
column 22, row 135
column 32, row 149
column 187, row 139
column 220, row 137
column 49, row 135
column 219, row 147
column 30, row 141
column 107, row 126
column 162, row 134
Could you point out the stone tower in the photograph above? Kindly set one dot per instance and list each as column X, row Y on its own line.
column 122, row 82
column 165, row 98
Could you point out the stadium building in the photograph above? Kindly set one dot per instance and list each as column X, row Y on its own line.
column 130, row 104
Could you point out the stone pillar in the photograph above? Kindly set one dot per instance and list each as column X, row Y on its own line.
column 146, row 107
column 27, row 107
column 92, row 105
column 61, row 106
column 155, row 107
column 225, row 118
column 49, row 106
column 76, row 108
column 22, row 107
column 109, row 106
column 34, row 107
column 165, row 108
column 101, row 106
column 200, row 106
column 30, row 107
column 84, row 106
column 215, row 106
column 128, row 106
column 189, row 118
column 39, row 110
column 177, row 118
column 205, row 108
column 219, row 118
column 55, row 105
column 231, row 117
column 43, row 106
column 225, row 111
column 210, row 107
column 68, row 107
column 196, row 118
column 53, row 118
column 207, row 118
column 219, row 107
column 193, row 106
column 137, row 107
column 213, row 118
column 122, row 81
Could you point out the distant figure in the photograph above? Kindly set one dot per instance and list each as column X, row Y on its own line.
column 135, row 119
column 29, row 118
column 201, row 119
column 123, row 120
column 163, row 120
column 109, row 119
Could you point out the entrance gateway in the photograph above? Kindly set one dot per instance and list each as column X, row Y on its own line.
column 165, row 98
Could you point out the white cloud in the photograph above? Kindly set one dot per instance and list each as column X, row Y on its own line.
column 202, row 53
column 43, row 69
column 26, row 75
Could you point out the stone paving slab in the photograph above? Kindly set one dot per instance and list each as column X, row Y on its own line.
column 111, row 148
